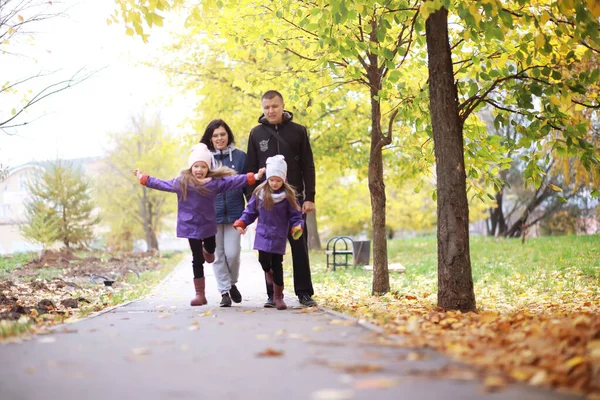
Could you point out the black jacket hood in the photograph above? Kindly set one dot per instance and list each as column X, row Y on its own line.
column 287, row 117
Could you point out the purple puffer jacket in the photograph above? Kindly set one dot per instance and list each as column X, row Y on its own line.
column 196, row 215
column 273, row 226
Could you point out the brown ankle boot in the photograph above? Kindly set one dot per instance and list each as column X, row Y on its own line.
column 200, row 299
column 278, row 297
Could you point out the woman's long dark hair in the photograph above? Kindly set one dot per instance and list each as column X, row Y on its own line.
column 210, row 128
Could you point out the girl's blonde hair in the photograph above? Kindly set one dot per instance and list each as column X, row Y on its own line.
column 187, row 179
column 267, row 195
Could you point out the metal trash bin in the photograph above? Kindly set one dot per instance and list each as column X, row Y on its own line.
column 361, row 251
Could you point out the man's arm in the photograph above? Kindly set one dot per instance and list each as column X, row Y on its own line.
column 308, row 170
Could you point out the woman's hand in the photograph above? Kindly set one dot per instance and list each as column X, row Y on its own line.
column 240, row 230
column 258, row 176
column 137, row 173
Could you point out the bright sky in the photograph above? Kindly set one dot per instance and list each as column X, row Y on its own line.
column 76, row 122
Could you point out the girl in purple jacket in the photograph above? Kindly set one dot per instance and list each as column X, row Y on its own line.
column 274, row 204
column 196, row 193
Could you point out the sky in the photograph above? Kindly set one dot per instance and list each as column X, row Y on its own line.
column 76, row 122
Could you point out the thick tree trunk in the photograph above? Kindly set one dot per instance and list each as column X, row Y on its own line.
column 455, row 281
column 314, row 242
column 381, row 277
column 147, row 215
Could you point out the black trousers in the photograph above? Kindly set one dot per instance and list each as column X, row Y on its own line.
column 196, row 245
column 272, row 262
column 301, row 264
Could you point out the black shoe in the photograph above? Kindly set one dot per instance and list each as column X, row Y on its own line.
column 225, row 300
column 306, row 300
column 235, row 294
column 269, row 303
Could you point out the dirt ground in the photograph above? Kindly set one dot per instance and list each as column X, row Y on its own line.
column 75, row 281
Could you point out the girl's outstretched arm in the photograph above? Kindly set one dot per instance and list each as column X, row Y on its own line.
column 155, row 183
column 248, row 216
column 236, row 181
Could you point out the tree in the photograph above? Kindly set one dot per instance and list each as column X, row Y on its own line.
column 43, row 223
column 131, row 210
column 60, row 201
column 519, row 77
column 17, row 18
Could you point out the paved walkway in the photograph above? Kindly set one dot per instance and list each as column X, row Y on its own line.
column 161, row 348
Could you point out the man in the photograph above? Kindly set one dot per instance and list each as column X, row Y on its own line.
column 278, row 134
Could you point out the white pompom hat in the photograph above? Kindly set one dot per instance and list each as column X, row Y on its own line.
column 199, row 153
column 276, row 166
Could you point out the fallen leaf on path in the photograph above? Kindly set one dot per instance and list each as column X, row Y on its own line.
column 308, row 310
column 249, row 311
column 380, row 383
column 207, row 313
column 30, row 369
column 331, row 394
column 49, row 339
column 317, row 328
column 193, row 328
column 141, row 351
column 262, row 336
column 281, row 332
column 343, row 322
column 270, row 353
column 350, row 368
column 184, row 347
column 493, row 383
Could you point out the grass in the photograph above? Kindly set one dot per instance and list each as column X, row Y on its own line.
column 10, row 262
column 504, row 269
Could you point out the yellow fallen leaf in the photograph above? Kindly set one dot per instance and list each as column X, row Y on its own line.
column 575, row 361
column 206, row 314
column 317, row 328
column 494, row 382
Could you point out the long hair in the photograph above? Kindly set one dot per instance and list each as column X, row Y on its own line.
column 210, row 129
column 267, row 195
column 187, row 179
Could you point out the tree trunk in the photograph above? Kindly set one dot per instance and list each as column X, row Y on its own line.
column 314, row 242
column 151, row 240
column 381, row 277
column 518, row 226
column 455, row 281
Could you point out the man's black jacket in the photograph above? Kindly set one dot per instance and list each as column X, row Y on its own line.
column 294, row 146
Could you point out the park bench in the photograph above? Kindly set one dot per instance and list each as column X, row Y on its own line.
column 339, row 249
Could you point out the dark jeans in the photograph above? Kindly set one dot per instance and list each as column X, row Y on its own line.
column 196, row 245
column 272, row 262
column 300, row 263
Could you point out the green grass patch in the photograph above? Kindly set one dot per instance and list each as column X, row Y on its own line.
column 543, row 266
column 10, row 262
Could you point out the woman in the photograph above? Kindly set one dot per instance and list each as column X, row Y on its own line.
column 229, row 207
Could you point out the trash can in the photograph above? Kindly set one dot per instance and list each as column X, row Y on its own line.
column 361, row 250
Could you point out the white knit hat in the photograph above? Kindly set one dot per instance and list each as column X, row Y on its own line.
column 199, row 153
column 276, row 166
